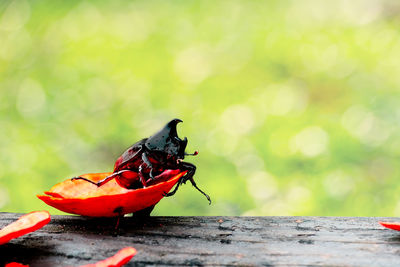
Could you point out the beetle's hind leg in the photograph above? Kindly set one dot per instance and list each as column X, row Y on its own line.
column 101, row 182
column 83, row 178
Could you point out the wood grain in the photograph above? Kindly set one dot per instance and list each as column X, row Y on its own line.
column 208, row 241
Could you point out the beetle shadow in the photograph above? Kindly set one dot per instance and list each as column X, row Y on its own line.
column 85, row 225
column 391, row 238
column 394, row 239
column 11, row 252
column 113, row 226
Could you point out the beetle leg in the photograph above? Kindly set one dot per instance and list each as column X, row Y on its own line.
column 191, row 169
column 141, row 176
column 195, row 186
column 101, row 182
column 175, row 189
column 149, row 165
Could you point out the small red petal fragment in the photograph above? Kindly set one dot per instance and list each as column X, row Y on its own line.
column 391, row 225
column 15, row 264
column 25, row 224
column 121, row 258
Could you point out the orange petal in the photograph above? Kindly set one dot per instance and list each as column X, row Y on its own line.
column 25, row 224
column 119, row 259
column 391, row 225
column 109, row 200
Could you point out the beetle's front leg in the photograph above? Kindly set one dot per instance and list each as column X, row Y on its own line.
column 191, row 169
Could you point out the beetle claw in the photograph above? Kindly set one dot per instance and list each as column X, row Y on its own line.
column 151, row 175
column 83, row 178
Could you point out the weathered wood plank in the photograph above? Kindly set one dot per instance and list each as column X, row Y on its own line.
column 208, row 241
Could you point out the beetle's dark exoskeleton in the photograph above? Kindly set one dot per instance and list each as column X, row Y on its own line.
column 141, row 163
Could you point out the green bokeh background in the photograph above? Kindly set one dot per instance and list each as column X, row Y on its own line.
column 293, row 105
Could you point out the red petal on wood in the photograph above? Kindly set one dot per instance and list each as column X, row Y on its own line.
column 15, row 264
column 391, row 225
column 119, row 259
column 109, row 200
column 25, row 224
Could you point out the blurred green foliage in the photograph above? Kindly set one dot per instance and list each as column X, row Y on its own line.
column 294, row 106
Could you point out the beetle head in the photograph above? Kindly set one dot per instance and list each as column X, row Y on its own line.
column 167, row 141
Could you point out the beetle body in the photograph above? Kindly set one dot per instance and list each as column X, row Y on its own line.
column 144, row 162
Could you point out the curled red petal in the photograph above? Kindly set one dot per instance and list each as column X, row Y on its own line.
column 25, row 224
column 391, row 225
column 109, row 200
column 119, row 259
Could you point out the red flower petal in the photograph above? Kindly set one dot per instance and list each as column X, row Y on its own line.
column 25, row 224
column 108, row 200
column 15, row 264
column 391, row 225
column 119, row 259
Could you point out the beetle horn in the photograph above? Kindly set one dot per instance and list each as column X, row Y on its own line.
column 171, row 127
column 162, row 139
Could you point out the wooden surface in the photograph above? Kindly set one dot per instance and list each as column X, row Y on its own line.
column 208, row 241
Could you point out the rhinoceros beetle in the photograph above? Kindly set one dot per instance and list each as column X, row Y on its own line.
column 140, row 164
